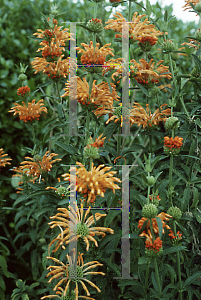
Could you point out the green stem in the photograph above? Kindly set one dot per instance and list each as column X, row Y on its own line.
column 58, row 91
column 87, row 127
column 150, row 143
column 170, row 179
column 147, row 279
column 183, row 105
column 129, row 11
column 178, row 265
column 148, row 193
column 171, row 69
column 119, row 141
column 157, row 277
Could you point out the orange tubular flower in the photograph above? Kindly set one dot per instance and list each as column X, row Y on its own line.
column 173, row 143
column 144, row 117
column 73, row 228
column 187, row 4
column 3, row 159
column 139, row 30
column 31, row 112
column 147, row 231
column 98, row 143
column 94, row 182
column 173, row 237
column 146, row 73
column 23, row 90
column 100, row 98
column 53, row 45
column 91, row 56
column 38, row 165
column 66, row 274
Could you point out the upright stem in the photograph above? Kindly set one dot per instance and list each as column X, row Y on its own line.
column 157, row 277
column 118, row 141
column 178, row 265
column 147, row 279
column 170, row 179
column 129, row 11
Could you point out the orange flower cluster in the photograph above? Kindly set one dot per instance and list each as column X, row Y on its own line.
column 53, row 45
column 100, row 98
column 139, row 30
column 94, row 182
column 140, row 116
column 152, row 197
column 173, row 237
column 23, row 90
column 94, row 56
column 156, row 246
column 146, row 73
column 29, row 113
column 99, row 142
column 38, row 164
column 173, row 143
column 3, row 159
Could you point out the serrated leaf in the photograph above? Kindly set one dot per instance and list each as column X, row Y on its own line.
column 197, row 214
column 68, row 148
column 192, row 278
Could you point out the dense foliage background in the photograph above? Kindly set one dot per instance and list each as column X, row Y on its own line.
column 22, row 243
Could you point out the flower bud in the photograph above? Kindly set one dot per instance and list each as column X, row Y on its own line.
column 175, row 212
column 62, row 191
column 149, row 211
column 91, row 152
column 22, row 77
column 172, row 123
column 150, row 180
column 168, row 46
column 155, row 199
column 198, row 7
column 198, row 34
column 95, row 25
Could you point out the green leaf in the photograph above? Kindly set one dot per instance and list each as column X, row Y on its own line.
column 192, row 279
column 197, row 214
column 68, row 148
column 113, row 267
column 143, row 226
column 160, row 226
column 20, row 284
column 134, row 148
column 110, row 129
column 141, row 87
column 3, row 265
column 186, row 198
column 144, row 260
column 195, row 198
column 111, row 215
column 2, row 285
column 34, row 264
column 174, row 249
